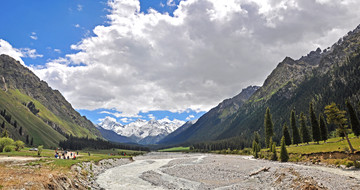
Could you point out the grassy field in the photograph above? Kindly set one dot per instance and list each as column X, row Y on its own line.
column 176, row 149
column 47, row 156
column 334, row 144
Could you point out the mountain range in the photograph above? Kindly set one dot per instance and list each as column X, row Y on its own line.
column 142, row 131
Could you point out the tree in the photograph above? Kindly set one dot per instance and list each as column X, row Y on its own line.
column 323, row 128
column 337, row 117
column 27, row 139
column 19, row 145
column 5, row 134
column 255, row 148
column 257, row 137
column 15, row 124
column 284, row 156
column 286, row 135
column 40, row 149
column 32, row 141
column 295, row 131
column 3, row 125
column 269, row 128
column 314, row 124
column 304, row 130
column 274, row 156
column 5, row 141
column 20, row 131
column 354, row 120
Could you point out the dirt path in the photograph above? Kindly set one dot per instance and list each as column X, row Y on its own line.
column 210, row 171
column 17, row 159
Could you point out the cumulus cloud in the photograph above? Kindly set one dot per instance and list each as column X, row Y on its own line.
column 207, row 52
column 6, row 48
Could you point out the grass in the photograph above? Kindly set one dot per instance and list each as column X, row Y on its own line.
column 176, row 149
column 47, row 156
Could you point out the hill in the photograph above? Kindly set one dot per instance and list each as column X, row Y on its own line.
column 42, row 113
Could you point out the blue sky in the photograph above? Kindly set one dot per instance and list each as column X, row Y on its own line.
column 115, row 58
column 51, row 27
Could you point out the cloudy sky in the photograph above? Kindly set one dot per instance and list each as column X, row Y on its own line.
column 164, row 58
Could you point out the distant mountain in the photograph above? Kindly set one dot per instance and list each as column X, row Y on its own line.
column 321, row 77
column 35, row 110
column 208, row 127
column 142, row 131
column 169, row 138
column 114, row 137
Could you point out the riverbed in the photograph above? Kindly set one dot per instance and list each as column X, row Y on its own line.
column 211, row 171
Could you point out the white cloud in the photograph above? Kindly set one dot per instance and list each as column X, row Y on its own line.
column 79, row 7
column 126, row 120
column 207, row 52
column 117, row 114
column 6, row 48
column 170, row 3
column 77, row 25
column 151, row 116
column 57, row 50
column 33, row 36
column 190, row 117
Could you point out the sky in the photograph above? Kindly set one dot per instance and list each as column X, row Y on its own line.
column 130, row 59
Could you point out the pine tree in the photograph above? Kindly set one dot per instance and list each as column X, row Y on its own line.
column 354, row 120
column 296, row 139
column 254, row 146
column 323, row 128
column 269, row 128
column 257, row 137
column 32, row 141
column 27, row 139
column 274, row 156
column 304, row 130
column 314, row 125
column 15, row 124
column 337, row 117
column 286, row 135
column 20, row 131
column 3, row 125
column 284, row 156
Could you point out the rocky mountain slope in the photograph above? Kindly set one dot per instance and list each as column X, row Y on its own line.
column 41, row 112
column 208, row 127
column 322, row 76
column 142, row 131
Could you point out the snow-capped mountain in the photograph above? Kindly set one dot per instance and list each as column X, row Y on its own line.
column 142, row 131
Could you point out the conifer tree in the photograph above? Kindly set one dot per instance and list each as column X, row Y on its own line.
column 257, row 137
column 354, row 120
column 15, row 124
column 274, row 156
column 296, row 139
column 32, row 141
column 27, row 139
column 286, row 135
column 3, row 125
column 20, row 131
column 337, row 117
column 284, row 156
column 314, row 125
column 269, row 128
column 323, row 128
column 304, row 130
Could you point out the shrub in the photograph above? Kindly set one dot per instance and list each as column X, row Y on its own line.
column 8, row 148
column 5, row 141
column 40, row 149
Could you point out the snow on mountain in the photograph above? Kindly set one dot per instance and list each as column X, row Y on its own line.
column 153, row 130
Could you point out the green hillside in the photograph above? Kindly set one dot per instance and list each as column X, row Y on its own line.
column 32, row 125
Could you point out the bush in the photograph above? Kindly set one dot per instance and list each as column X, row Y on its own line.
column 8, row 148
column 19, row 145
column 5, row 141
column 40, row 149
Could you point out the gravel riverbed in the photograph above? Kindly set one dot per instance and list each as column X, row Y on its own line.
column 211, row 171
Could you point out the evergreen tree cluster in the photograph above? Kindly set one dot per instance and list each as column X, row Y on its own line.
column 76, row 143
column 235, row 143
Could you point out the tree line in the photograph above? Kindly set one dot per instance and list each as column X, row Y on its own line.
column 79, row 143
